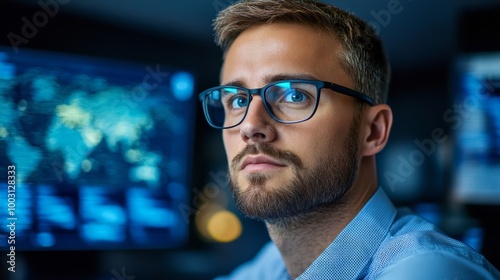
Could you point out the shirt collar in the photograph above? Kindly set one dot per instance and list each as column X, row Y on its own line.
column 349, row 254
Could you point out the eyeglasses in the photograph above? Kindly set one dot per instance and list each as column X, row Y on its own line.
column 286, row 101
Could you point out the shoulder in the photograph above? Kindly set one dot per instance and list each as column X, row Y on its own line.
column 429, row 264
column 416, row 249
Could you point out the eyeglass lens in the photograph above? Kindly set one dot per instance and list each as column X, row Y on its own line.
column 285, row 101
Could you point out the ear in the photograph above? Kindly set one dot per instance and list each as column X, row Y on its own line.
column 375, row 128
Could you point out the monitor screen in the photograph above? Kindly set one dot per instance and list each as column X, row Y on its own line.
column 475, row 120
column 94, row 154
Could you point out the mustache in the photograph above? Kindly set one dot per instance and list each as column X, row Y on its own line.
column 286, row 157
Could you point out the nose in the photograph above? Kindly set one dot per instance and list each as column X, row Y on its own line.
column 258, row 126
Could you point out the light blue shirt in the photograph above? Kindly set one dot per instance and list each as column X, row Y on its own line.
column 381, row 242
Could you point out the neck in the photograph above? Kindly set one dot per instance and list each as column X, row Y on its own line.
column 302, row 239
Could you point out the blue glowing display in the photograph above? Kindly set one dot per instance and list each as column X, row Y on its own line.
column 101, row 148
column 476, row 125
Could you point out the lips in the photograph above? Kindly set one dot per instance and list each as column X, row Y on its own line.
column 260, row 162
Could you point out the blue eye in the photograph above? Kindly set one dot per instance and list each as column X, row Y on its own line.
column 294, row 96
column 239, row 102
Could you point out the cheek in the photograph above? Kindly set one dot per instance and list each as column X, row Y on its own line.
column 320, row 149
column 321, row 138
column 231, row 144
column 309, row 144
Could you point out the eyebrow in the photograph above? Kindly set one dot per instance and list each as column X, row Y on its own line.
column 273, row 78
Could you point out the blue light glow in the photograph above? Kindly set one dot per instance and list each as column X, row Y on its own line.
column 231, row 90
column 474, row 238
column 215, row 95
column 182, row 84
column 285, row 85
column 7, row 71
column 45, row 239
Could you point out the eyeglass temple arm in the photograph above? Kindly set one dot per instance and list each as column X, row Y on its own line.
column 350, row 92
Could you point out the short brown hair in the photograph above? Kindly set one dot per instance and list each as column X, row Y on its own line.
column 363, row 56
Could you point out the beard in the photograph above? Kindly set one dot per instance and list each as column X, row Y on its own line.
column 310, row 190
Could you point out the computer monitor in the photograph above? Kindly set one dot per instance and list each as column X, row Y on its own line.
column 100, row 149
column 475, row 120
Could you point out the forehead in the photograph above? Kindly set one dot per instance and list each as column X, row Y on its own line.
column 282, row 49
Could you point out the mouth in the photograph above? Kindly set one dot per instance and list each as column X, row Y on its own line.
column 260, row 163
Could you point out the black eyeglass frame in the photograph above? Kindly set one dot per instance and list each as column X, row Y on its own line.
column 261, row 92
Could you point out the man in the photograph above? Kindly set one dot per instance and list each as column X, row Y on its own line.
column 302, row 111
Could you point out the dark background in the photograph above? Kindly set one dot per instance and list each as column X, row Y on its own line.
column 423, row 41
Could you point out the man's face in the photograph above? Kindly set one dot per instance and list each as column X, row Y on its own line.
column 286, row 170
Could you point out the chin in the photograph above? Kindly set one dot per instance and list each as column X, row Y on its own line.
column 261, row 199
